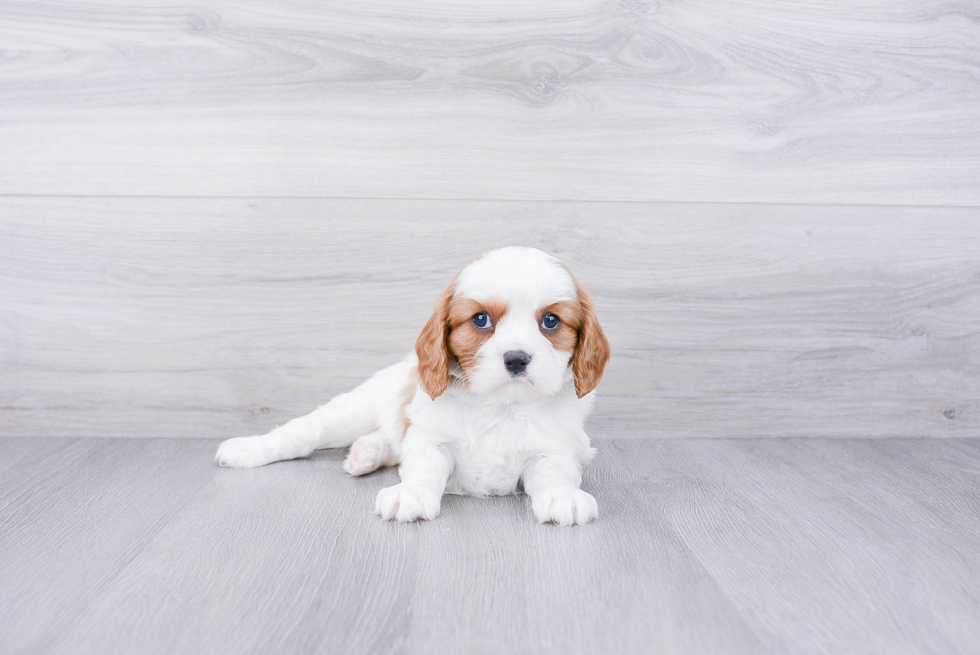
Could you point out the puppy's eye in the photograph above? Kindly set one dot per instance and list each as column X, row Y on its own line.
column 482, row 320
column 550, row 322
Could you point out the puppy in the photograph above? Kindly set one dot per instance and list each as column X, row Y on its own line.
column 493, row 399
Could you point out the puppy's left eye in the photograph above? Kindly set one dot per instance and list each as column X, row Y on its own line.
column 550, row 322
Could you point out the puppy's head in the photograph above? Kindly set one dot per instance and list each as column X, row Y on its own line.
column 516, row 320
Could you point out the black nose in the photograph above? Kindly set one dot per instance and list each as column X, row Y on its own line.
column 516, row 361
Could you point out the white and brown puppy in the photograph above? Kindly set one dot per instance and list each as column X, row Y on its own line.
column 494, row 397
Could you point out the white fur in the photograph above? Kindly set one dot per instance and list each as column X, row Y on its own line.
column 485, row 435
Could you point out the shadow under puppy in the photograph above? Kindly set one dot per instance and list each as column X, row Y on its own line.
column 494, row 397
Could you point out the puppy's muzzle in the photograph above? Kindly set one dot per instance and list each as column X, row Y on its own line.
column 516, row 361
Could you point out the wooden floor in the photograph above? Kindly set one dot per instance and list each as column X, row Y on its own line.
column 702, row 546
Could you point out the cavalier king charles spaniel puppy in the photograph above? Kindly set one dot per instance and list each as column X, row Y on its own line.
column 492, row 400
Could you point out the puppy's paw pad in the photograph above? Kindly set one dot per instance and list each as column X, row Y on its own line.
column 243, row 453
column 564, row 506
column 404, row 503
column 365, row 456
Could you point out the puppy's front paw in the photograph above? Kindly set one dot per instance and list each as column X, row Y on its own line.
column 244, row 453
column 406, row 503
column 564, row 506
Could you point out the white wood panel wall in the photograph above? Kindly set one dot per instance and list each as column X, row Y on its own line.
column 215, row 317
column 875, row 101
column 180, row 254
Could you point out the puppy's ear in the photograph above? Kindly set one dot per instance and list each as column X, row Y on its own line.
column 592, row 350
column 432, row 347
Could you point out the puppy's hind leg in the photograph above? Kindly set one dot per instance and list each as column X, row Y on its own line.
column 334, row 425
column 371, row 452
column 383, row 446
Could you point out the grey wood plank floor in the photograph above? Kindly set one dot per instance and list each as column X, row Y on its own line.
column 702, row 546
column 223, row 317
column 826, row 101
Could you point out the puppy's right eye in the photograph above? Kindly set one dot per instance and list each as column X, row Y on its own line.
column 482, row 320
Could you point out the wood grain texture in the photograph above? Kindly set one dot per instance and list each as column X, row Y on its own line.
column 702, row 546
column 215, row 318
column 75, row 515
column 828, row 101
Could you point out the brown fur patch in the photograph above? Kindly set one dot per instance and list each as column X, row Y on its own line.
column 432, row 347
column 569, row 315
column 592, row 350
column 405, row 396
column 464, row 337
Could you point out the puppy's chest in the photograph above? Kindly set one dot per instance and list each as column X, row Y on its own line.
column 491, row 452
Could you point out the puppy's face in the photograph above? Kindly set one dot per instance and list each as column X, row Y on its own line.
column 518, row 325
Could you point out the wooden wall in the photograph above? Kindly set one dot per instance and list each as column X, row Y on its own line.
column 213, row 216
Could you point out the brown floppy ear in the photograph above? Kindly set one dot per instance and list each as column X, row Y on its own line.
column 432, row 347
column 592, row 350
